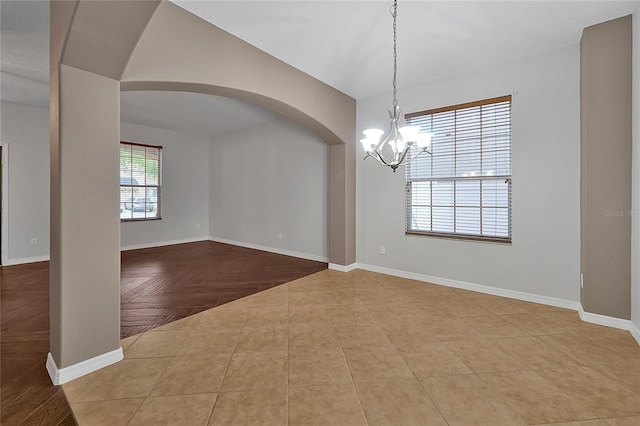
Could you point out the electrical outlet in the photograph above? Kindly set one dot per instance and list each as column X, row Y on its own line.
column 34, row 241
column 279, row 235
column 383, row 250
column 198, row 226
column 581, row 280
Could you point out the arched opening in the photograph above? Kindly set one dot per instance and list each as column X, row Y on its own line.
column 100, row 48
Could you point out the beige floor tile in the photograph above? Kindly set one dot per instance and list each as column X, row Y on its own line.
column 318, row 367
column 308, row 314
column 534, row 353
column 262, row 339
column 376, row 362
column 357, row 334
column 598, row 393
column 494, row 326
column 350, row 314
column 129, row 378
column 275, row 297
column 619, row 341
column 484, row 356
column 128, row 341
column 582, row 349
column 246, row 408
column 105, row 413
column 434, row 359
column 624, row 421
column 192, row 374
column 74, row 388
column 451, row 329
column 187, row 410
column 215, row 319
column 264, row 317
column 307, row 298
column 183, row 324
column 461, row 307
column 578, row 423
column 155, row 344
column 534, row 324
column 466, row 400
column 256, row 370
column 203, row 342
column 501, row 305
column 397, row 402
column 625, row 373
column 325, row 405
column 534, row 398
column 307, row 336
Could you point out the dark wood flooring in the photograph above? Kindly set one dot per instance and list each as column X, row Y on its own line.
column 158, row 285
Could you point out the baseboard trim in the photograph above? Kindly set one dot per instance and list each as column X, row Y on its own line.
column 343, row 268
column 635, row 332
column 60, row 376
column 271, row 249
column 512, row 294
column 605, row 320
column 163, row 243
column 22, row 261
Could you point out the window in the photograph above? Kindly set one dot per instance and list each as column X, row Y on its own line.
column 140, row 181
column 462, row 190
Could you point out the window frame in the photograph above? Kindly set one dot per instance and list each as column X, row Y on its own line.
column 146, row 187
column 508, row 179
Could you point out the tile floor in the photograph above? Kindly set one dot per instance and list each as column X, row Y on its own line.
column 364, row 348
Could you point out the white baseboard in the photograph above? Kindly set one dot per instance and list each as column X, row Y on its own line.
column 605, row 320
column 271, row 249
column 162, row 243
column 11, row 262
column 512, row 294
column 64, row 375
column 342, row 268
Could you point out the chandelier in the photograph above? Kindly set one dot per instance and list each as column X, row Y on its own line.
column 400, row 140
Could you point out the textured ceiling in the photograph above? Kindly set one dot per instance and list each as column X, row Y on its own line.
column 346, row 44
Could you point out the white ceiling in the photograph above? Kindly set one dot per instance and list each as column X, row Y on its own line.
column 346, row 44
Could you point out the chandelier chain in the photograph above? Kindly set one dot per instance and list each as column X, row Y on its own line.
column 394, row 13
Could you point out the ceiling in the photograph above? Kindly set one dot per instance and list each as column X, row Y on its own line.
column 346, row 44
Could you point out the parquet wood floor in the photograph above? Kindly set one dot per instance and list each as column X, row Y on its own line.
column 158, row 285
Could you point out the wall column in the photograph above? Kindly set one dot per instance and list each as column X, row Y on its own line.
column 85, row 240
column 605, row 178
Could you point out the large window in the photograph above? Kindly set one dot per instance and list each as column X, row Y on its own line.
column 140, row 181
column 462, row 190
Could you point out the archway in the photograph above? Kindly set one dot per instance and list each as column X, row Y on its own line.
column 101, row 47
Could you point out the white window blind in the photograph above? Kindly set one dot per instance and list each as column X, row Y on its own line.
column 462, row 190
column 140, row 181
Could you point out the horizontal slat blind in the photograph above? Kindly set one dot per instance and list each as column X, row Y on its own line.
column 463, row 189
column 140, row 181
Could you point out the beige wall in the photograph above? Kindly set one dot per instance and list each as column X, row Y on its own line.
column 97, row 44
column 86, row 248
column 605, row 181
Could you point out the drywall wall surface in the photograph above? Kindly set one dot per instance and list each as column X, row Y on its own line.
column 269, row 187
column 25, row 134
column 635, row 197
column 185, row 188
column 543, row 258
column 84, row 276
column 606, row 161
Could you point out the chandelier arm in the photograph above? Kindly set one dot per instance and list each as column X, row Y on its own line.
column 381, row 158
column 416, row 155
